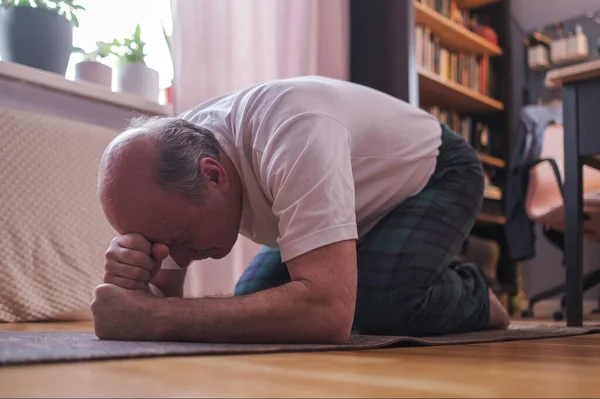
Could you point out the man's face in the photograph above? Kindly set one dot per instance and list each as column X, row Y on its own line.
column 133, row 202
column 200, row 231
column 192, row 231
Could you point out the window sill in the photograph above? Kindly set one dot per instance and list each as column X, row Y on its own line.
column 52, row 81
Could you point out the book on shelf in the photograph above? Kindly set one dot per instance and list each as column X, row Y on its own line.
column 476, row 133
column 472, row 132
column 491, row 191
column 472, row 20
column 470, row 70
column 461, row 125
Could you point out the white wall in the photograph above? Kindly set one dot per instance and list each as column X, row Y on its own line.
column 531, row 14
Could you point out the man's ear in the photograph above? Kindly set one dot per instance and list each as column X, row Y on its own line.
column 212, row 170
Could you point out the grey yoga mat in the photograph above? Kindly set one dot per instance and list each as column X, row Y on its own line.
column 42, row 347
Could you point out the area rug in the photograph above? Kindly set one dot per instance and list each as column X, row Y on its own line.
column 43, row 347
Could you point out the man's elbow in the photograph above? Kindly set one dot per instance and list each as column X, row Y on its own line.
column 335, row 326
column 337, row 336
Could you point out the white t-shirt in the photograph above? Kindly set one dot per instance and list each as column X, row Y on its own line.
column 321, row 160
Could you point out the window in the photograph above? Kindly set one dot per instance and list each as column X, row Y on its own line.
column 107, row 20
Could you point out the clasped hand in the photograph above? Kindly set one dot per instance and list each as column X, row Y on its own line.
column 122, row 304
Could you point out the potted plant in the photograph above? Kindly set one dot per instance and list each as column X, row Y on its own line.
column 38, row 33
column 91, row 69
column 133, row 75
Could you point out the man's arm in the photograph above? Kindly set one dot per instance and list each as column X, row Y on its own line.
column 170, row 282
column 317, row 306
column 168, row 278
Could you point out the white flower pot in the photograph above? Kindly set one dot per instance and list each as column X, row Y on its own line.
column 138, row 79
column 95, row 72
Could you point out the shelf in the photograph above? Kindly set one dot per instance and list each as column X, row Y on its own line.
column 491, row 161
column 92, row 91
column 434, row 90
column 453, row 36
column 474, row 3
column 492, row 194
column 488, row 218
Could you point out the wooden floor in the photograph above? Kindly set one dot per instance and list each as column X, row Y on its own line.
column 565, row 367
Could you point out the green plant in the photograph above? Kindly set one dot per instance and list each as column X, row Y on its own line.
column 66, row 8
column 167, row 39
column 102, row 51
column 130, row 50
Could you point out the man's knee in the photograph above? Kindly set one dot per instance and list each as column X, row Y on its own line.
column 454, row 303
column 254, row 284
column 264, row 272
column 388, row 312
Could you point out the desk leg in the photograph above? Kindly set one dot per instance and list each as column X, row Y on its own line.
column 573, row 209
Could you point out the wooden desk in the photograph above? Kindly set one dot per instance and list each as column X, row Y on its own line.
column 581, row 94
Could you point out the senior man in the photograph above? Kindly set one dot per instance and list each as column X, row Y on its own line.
column 359, row 199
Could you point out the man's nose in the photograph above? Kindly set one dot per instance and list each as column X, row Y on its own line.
column 181, row 256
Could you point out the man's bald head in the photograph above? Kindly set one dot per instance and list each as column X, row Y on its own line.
column 130, row 155
column 155, row 155
column 170, row 147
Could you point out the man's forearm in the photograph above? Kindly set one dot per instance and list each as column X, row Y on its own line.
column 170, row 282
column 286, row 314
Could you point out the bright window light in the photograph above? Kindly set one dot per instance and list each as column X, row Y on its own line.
column 106, row 20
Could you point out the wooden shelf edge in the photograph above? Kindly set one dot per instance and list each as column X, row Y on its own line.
column 425, row 15
column 488, row 218
column 483, row 100
column 467, row 4
column 492, row 197
column 491, row 161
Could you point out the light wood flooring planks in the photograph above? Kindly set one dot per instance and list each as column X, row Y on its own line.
column 565, row 367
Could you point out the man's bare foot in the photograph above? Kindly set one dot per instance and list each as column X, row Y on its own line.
column 499, row 318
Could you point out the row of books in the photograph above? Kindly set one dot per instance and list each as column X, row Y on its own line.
column 470, row 70
column 475, row 133
column 469, row 19
column 462, row 125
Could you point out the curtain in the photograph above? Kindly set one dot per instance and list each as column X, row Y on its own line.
column 221, row 46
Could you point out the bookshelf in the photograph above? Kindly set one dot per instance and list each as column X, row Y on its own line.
column 435, row 90
column 452, row 35
column 466, row 4
column 433, row 54
column 492, row 161
column 489, row 218
column 386, row 54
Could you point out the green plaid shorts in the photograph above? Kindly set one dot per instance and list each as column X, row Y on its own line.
column 406, row 282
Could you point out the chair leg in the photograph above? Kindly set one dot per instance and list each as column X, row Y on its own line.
column 554, row 291
column 590, row 280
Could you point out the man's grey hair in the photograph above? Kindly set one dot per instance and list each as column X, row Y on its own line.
column 181, row 145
